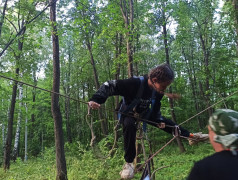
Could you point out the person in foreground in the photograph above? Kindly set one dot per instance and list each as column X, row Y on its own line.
column 223, row 135
column 141, row 96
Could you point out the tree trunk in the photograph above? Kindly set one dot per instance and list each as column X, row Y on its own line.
column 206, row 54
column 103, row 123
column 171, row 102
column 67, row 114
column 26, row 134
column 117, row 75
column 33, row 97
column 192, row 80
column 18, row 129
column 66, row 87
column 2, row 127
column 3, row 140
column 55, row 108
column 3, row 16
column 7, row 152
column 128, row 16
column 235, row 6
column 32, row 125
column 8, row 144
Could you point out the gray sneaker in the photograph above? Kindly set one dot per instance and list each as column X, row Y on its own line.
column 198, row 137
column 128, row 171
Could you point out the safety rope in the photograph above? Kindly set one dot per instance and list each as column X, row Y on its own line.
column 46, row 90
column 208, row 108
column 155, row 154
column 78, row 100
column 128, row 115
column 176, row 130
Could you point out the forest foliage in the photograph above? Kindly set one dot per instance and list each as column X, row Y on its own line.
column 100, row 40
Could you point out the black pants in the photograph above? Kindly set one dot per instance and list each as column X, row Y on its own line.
column 129, row 133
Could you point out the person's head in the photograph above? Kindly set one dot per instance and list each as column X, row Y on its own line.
column 161, row 77
column 223, row 130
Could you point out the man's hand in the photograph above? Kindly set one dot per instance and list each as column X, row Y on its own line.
column 173, row 96
column 93, row 105
column 161, row 125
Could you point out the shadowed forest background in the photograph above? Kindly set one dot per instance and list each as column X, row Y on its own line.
column 71, row 47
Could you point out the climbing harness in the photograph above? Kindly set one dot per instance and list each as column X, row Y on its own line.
column 131, row 108
column 176, row 131
column 147, row 172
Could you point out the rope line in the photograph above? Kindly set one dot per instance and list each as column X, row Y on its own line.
column 144, row 120
column 208, row 108
column 156, row 153
column 46, row 90
column 128, row 115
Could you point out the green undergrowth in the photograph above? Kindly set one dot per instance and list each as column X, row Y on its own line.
column 83, row 163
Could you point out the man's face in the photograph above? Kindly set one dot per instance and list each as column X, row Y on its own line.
column 160, row 87
column 217, row 147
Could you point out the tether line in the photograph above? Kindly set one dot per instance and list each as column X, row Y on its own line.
column 156, row 153
column 208, row 108
column 128, row 115
column 144, row 120
column 42, row 89
column 46, row 90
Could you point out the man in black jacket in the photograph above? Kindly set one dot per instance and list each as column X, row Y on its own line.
column 223, row 135
column 145, row 103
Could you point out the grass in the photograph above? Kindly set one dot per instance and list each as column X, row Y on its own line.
column 83, row 165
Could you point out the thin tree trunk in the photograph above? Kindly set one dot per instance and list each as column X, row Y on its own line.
column 3, row 132
column 33, row 97
column 206, row 54
column 117, row 75
column 55, row 108
column 26, row 134
column 235, row 6
column 3, row 16
column 67, row 114
column 66, row 87
column 7, row 152
column 193, row 84
column 103, row 123
column 171, row 102
column 32, row 125
column 18, row 129
column 3, row 139
column 128, row 16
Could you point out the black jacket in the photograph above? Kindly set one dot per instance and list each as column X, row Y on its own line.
column 128, row 88
column 219, row 166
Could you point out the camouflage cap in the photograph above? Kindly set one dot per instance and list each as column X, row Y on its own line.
column 224, row 122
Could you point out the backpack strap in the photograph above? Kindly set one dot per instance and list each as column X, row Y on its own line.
column 150, row 110
column 135, row 101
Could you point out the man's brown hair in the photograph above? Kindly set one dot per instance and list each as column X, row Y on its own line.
column 163, row 73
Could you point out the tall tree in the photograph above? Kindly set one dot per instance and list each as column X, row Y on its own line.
column 167, row 57
column 66, row 64
column 235, row 17
column 8, row 144
column 15, row 152
column 26, row 135
column 7, row 152
column 127, row 10
column 204, row 20
column 88, row 25
column 3, row 16
column 55, row 108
